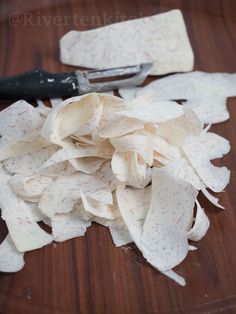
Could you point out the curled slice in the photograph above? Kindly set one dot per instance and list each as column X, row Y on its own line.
column 138, row 143
column 30, row 188
column 201, row 225
column 98, row 208
column 69, row 117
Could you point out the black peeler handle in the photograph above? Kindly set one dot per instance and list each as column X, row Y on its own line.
column 39, row 84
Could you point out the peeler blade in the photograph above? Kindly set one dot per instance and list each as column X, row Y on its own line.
column 139, row 72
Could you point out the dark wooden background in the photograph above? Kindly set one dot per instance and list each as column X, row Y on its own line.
column 90, row 275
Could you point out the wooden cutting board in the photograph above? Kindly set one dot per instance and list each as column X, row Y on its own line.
column 88, row 274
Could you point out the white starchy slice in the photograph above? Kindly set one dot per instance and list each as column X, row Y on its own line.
column 128, row 93
column 182, row 170
column 209, row 109
column 164, row 239
column 25, row 145
column 130, row 201
column 138, row 143
column 119, row 236
column 201, row 225
column 155, row 112
column 111, row 105
column 205, row 93
column 32, row 163
column 83, row 214
column 10, row 259
column 91, row 126
column 55, row 102
column 24, row 231
column 101, row 148
column 120, row 166
column 128, row 169
column 68, row 226
column 105, row 174
column 119, row 126
column 30, row 188
column 193, row 85
column 65, row 192
column 98, row 208
column 118, row 230
column 132, row 205
column 35, row 211
column 18, row 121
column 69, row 116
column 214, row 200
column 140, row 175
column 215, row 178
column 167, row 150
column 88, row 165
column 161, row 39
column 217, row 146
column 69, row 153
column 175, row 131
column 26, row 234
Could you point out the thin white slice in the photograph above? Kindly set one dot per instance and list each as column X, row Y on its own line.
column 155, row 112
column 68, row 226
column 119, row 126
column 18, row 121
column 65, row 192
column 25, row 145
column 137, row 143
column 164, row 239
column 217, row 146
column 98, row 208
column 24, row 231
column 201, row 225
column 215, row 178
column 10, row 259
column 128, row 168
column 88, row 165
column 69, row 116
column 30, row 188
column 175, row 131
column 182, row 170
column 206, row 93
column 32, row 163
column 161, row 39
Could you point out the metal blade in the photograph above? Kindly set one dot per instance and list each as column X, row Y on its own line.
column 140, row 72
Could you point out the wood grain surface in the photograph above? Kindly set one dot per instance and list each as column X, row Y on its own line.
column 88, row 274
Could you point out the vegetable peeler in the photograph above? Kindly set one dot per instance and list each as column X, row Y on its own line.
column 40, row 84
